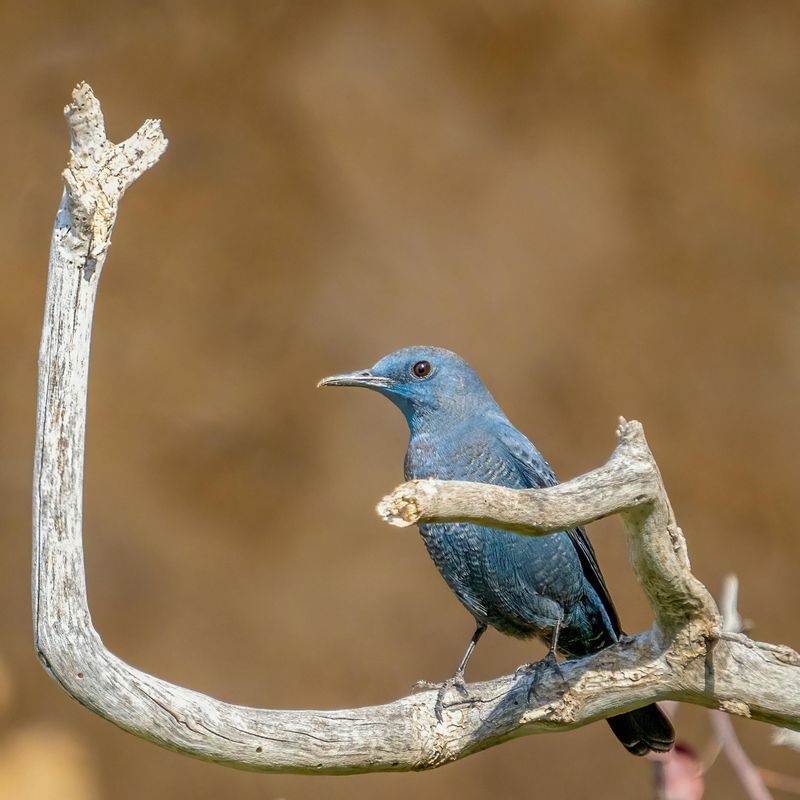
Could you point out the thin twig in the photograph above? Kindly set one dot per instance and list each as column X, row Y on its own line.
column 746, row 771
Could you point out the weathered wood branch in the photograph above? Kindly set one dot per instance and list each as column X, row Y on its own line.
column 684, row 657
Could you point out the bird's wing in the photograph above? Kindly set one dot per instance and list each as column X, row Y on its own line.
column 538, row 474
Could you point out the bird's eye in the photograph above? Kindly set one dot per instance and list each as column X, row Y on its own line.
column 421, row 369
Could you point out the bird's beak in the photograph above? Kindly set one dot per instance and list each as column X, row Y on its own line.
column 360, row 378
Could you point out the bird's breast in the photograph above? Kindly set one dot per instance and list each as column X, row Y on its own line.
column 512, row 582
column 458, row 458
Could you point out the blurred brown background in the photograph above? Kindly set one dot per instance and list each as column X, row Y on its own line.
column 597, row 204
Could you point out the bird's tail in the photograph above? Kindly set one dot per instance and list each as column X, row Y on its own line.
column 643, row 730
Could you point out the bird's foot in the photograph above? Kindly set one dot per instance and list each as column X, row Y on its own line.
column 535, row 671
column 456, row 683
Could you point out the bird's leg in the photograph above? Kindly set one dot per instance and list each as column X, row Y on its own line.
column 457, row 681
column 551, row 651
column 550, row 660
column 458, row 678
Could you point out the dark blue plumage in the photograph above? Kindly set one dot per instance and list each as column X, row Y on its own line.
column 551, row 586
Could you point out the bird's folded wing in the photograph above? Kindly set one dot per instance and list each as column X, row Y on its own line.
column 538, row 474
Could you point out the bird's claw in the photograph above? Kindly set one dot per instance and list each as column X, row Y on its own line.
column 534, row 671
column 456, row 682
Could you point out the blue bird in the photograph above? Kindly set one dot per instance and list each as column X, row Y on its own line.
column 549, row 587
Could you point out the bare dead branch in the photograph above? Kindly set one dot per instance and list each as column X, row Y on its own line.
column 684, row 657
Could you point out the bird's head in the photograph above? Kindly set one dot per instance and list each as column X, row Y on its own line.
column 425, row 383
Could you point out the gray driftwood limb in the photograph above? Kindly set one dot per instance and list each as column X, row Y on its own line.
column 684, row 657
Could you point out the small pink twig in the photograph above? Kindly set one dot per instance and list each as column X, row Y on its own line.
column 720, row 722
column 745, row 769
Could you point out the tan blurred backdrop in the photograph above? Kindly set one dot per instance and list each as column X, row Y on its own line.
column 596, row 203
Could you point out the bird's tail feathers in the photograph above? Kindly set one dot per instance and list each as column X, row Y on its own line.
column 644, row 730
